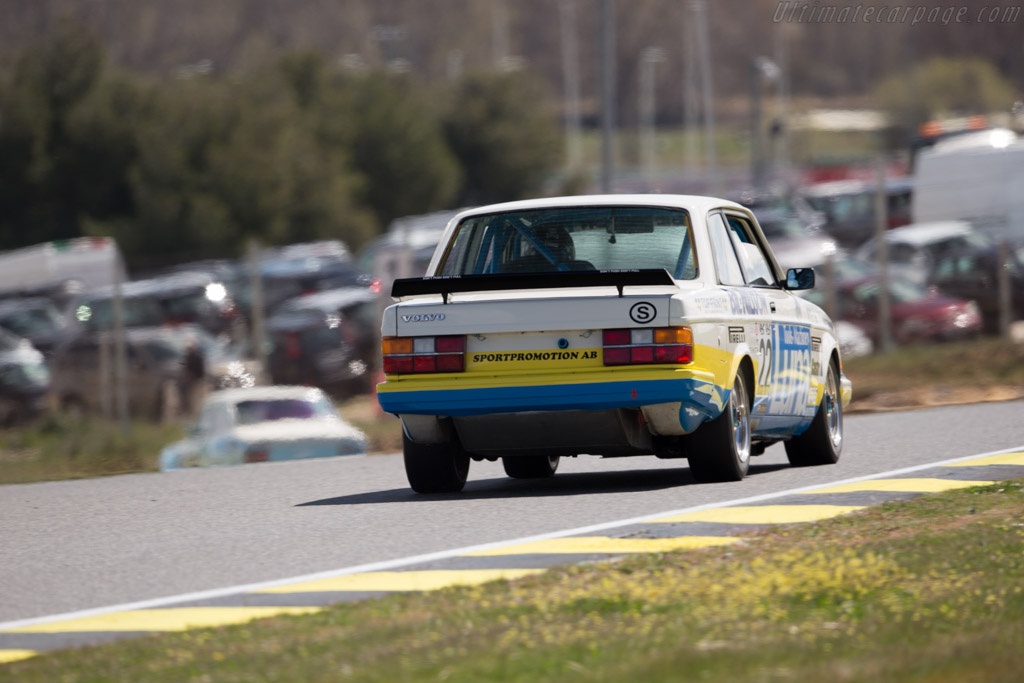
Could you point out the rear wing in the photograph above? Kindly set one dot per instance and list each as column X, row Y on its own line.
column 447, row 285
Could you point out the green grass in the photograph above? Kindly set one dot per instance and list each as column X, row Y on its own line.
column 923, row 590
column 62, row 447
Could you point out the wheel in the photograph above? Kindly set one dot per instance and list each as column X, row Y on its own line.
column 720, row 449
column 435, row 468
column 531, row 466
column 822, row 443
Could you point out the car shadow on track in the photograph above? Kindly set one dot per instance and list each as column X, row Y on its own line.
column 575, row 484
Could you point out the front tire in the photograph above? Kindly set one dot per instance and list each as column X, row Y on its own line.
column 435, row 468
column 531, row 466
column 720, row 450
column 822, row 443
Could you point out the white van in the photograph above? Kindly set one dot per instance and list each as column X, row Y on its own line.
column 90, row 261
column 982, row 184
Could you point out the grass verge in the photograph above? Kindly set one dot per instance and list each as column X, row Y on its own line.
column 918, row 376
column 63, row 447
column 924, row 590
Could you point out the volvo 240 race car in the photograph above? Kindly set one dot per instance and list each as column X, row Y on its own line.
column 608, row 325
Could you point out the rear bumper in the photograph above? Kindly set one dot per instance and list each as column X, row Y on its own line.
column 698, row 393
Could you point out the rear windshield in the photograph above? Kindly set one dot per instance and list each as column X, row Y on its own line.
column 572, row 239
column 251, row 412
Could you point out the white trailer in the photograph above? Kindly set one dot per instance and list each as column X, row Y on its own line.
column 91, row 261
column 980, row 184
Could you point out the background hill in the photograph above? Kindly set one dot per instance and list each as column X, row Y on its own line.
column 439, row 39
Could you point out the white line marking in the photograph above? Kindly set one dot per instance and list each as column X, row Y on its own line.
column 447, row 554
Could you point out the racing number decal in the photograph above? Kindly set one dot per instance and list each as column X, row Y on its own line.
column 764, row 375
column 791, row 374
column 642, row 312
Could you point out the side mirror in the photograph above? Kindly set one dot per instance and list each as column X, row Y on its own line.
column 800, row 278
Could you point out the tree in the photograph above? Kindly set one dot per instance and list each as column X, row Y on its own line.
column 505, row 136
column 222, row 162
column 39, row 171
column 944, row 87
column 399, row 146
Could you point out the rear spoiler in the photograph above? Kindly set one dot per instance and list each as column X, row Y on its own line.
column 446, row 285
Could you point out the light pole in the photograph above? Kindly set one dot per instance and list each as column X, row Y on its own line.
column 607, row 93
column 691, row 91
column 700, row 8
column 761, row 69
column 650, row 57
column 571, row 77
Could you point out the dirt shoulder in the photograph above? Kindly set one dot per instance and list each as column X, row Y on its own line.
column 931, row 396
column 975, row 371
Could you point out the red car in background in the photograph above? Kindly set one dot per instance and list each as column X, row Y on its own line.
column 919, row 314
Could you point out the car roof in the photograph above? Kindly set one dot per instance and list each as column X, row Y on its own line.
column 840, row 187
column 695, row 203
column 329, row 299
column 159, row 285
column 169, row 332
column 268, row 393
column 919, row 234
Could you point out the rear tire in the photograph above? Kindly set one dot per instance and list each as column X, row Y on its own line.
column 822, row 443
column 435, row 468
column 720, row 450
column 531, row 466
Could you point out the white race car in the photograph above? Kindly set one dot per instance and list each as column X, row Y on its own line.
column 608, row 325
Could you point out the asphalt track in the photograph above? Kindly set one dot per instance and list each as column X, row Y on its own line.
column 96, row 560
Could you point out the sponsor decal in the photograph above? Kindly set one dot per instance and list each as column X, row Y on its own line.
column 522, row 356
column 711, row 304
column 789, row 370
column 423, row 317
column 747, row 302
column 642, row 312
column 736, row 335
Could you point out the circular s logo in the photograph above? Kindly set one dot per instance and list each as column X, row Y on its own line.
column 642, row 312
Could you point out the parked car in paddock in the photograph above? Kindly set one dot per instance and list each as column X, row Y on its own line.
column 262, row 424
column 919, row 314
column 24, row 381
column 37, row 319
column 974, row 272
column 913, row 250
column 83, row 375
column 195, row 298
column 327, row 339
column 613, row 325
column 285, row 275
column 849, row 206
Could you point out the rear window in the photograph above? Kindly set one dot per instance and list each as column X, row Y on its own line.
column 573, row 239
column 251, row 412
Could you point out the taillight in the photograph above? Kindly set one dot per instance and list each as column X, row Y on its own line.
column 648, row 346
column 257, row 454
column 409, row 355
